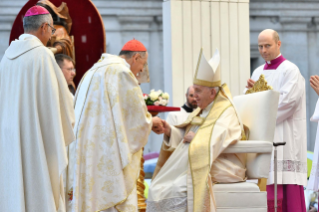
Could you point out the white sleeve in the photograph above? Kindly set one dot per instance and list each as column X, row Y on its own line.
column 291, row 92
column 174, row 140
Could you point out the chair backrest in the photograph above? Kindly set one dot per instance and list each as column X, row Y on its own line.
column 258, row 111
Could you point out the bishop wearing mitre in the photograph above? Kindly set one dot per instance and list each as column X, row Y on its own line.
column 191, row 154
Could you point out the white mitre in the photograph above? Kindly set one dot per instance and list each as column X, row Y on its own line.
column 207, row 72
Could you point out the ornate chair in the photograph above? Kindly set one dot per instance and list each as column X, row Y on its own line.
column 258, row 112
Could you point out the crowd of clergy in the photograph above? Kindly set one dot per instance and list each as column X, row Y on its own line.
column 82, row 153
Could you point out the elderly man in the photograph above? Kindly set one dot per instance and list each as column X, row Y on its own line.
column 66, row 64
column 112, row 126
column 285, row 77
column 36, row 120
column 191, row 154
column 175, row 118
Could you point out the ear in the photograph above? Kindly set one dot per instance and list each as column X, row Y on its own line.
column 213, row 92
column 279, row 44
column 43, row 27
column 136, row 56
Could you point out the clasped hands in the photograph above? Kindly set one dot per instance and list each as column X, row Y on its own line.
column 161, row 126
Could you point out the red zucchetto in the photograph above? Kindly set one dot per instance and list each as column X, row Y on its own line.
column 134, row 46
column 36, row 10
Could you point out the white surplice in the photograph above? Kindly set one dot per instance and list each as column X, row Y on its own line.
column 172, row 189
column 291, row 124
column 112, row 126
column 313, row 183
column 176, row 118
column 36, row 116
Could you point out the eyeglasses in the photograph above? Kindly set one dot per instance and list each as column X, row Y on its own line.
column 71, row 69
column 53, row 29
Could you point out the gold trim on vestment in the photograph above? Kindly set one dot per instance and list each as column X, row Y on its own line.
column 199, row 154
column 260, row 85
column 206, row 83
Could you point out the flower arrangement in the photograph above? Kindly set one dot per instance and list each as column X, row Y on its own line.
column 157, row 98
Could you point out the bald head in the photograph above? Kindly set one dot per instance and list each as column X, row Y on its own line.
column 190, row 97
column 272, row 34
column 269, row 44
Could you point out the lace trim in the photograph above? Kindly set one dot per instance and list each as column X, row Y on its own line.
column 289, row 166
column 166, row 205
column 315, row 169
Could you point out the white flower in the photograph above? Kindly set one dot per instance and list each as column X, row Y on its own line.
column 163, row 102
column 152, row 91
column 153, row 96
column 160, row 91
column 157, row 103
column 165, row 96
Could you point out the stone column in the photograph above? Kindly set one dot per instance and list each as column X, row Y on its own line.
column 191, row 25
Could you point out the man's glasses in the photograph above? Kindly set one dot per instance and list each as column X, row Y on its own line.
column 71, row 69
column 53, row 29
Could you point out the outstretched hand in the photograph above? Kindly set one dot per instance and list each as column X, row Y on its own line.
column 250, row 83
column 314, row 83
column 157, row 127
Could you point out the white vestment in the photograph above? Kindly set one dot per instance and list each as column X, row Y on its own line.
column 112, row 126
column 313, row 183
column 171, row 189
column 291, row 124
column 177, row 118
column 36, row 117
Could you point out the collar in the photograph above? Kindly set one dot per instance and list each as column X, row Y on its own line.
column 273, row 64
column 206, row 110
column 187, row 109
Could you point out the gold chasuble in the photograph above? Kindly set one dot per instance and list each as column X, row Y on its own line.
column 112, row 126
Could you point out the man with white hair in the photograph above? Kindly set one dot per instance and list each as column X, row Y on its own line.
column 291, row 127
column 191, row 158
column 36, row 120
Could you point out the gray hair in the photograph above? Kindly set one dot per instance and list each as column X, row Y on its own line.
column 211, row 88
column 129, row 54
column 33, row 23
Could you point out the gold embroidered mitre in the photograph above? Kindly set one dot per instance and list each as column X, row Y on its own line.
column 207, row 72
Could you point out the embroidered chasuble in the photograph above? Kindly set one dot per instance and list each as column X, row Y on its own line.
column 291, row 127
column 185, row 171
column 37, row 114
column 112, row 125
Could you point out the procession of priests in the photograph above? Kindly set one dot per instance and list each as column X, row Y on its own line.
column 96, row 138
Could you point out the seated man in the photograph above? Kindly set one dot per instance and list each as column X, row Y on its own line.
column 191, row 158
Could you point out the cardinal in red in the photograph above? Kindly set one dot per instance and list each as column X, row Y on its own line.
column 112, row 126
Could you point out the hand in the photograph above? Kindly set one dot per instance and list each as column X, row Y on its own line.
column 250, row 83
column 157, row 125
column 167, row 128
column 314, row 83
column 312, row 209
column 189, row 137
